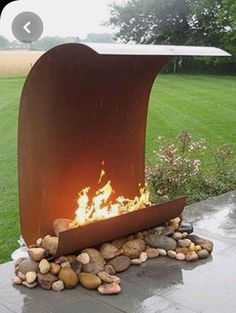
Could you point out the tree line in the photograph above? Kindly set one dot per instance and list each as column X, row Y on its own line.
column 46, row 43
column 180, row 22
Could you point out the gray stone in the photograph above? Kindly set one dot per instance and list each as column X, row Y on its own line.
column 185, row 228
column 158, row 241
column 92, row 268
column 28, row 265
column 120, row 263
column 203, row 254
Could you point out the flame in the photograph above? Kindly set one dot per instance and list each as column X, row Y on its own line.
column 99, row 207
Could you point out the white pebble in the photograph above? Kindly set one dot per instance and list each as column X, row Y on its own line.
column 171, row 254
column 143, row 257
column 177, row 236
column 180, row 256
column 136, row 261
column 58, row 285
column 65, row 264
column 162, row 252
column 184, row 243
column 83, row 258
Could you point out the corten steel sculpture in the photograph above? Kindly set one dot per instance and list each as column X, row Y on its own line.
column 81, row 105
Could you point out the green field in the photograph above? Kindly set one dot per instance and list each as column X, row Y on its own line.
column 204, row 105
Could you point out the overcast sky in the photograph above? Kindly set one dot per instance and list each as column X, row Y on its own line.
column 61, row 18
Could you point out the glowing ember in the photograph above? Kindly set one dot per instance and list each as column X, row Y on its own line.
column 99, row 207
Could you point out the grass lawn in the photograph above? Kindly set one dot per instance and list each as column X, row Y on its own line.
column 205, row 105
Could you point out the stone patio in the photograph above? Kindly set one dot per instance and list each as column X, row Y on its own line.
column 159, row 285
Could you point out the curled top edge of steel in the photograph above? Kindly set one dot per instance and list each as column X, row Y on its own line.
column 162, row 50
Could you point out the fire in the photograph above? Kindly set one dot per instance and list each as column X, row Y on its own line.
column 99, row 207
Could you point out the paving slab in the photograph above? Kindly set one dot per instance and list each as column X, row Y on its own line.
column 157, row 286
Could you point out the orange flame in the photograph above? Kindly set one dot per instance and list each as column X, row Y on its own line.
column 100, row 208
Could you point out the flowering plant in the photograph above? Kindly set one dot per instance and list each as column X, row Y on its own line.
column 179, row 170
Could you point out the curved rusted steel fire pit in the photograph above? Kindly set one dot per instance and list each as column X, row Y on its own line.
column 81, row 105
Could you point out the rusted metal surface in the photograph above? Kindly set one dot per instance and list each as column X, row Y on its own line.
column 95, row 233
column 78, row 109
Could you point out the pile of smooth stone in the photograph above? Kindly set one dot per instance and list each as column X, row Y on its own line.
column 98, row 268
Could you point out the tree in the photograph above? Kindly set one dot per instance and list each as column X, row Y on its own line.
column 151, row 21
column 190, row 22
column 46, row 43
column 103, row 37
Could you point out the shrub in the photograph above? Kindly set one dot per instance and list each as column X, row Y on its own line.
column 180, row 170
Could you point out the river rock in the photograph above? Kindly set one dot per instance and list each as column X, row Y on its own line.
column 18, row 261
column 92, row 268
column 31, row 286
column 192, row 247
column 66, row 264
column 89, row 281
column 36, row 254
column 39, row 242
column 58, row 285
column 162, row 252
column 55, row 268
column 95, row 256
column 134, row 248
column 184, row 243
column 203, row 254
column 46, row 280
column 108, row 251
column 182, row 250
column 180, row 256
column 69, row 277
column 158, row 241
column 116, row 279
column 109, row 269
column 203, row 243
column 28, row 265
column 175, row 222
column 120, row 263
column 137, row 261
column 30, row 277
column 50, row 244
column 61, row 259
column 118, row 243
column 21, row 276
column 177, row 236
column 139, row 235
column 191, row 256
column 168, row 231
column 71, row 258
column 16, row 280
column 158, row 230
column 152, row 253
column 44, row 266
column 198, row 248
column 83, row 258
column 61, row 224
column 77, row 267
column 109, row 289
column 105, row 277
column 185, row 228
column 171, row 254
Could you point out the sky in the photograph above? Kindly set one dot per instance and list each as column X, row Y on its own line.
column 61, row 18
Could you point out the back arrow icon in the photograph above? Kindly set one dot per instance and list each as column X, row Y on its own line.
column 26, row 27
